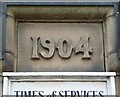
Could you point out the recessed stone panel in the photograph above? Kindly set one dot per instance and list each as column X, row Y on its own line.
column 60, row 47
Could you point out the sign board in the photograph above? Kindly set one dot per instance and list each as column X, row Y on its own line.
column 59, row 83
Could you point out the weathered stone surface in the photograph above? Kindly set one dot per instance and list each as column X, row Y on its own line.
column 25, row 63
column 60, row 62
column 112, row 43
column 73, row 15
column 9, row 47
column 49, row 13
column 65, row 13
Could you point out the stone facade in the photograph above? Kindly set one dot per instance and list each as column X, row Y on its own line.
column 21, row 56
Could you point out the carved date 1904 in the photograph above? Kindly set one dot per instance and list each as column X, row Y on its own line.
column 64, row 47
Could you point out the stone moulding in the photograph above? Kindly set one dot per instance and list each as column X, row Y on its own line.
column 105, row 13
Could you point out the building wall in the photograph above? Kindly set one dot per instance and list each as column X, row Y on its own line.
column 2, row 65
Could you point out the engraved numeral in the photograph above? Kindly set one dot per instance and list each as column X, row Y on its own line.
column 49, row 45
column 83, row 47
column 35, row 47
column 65, row 47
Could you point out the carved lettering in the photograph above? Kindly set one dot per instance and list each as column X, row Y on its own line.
column 65, row 47
column 83, row 47
column 35, row 47
column 49, row 45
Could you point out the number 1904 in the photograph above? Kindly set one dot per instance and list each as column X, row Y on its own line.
column 64, row 47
